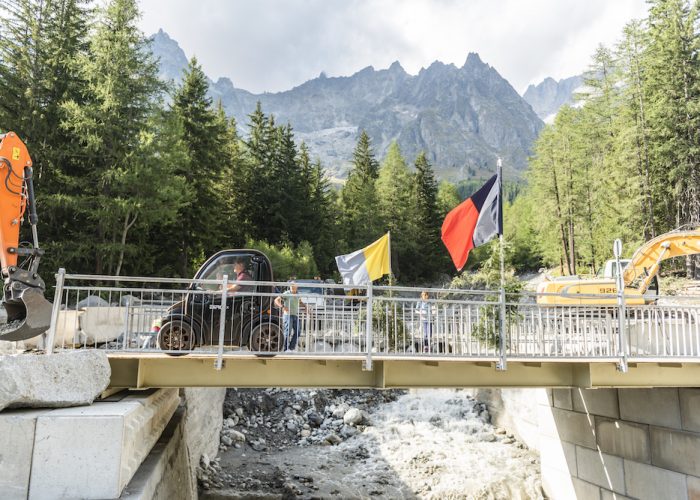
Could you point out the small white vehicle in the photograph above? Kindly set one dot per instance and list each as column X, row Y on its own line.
column 313, row 295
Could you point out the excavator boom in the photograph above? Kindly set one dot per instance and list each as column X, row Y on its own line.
column 637, row 275
column 28, row 312
column 647, row 259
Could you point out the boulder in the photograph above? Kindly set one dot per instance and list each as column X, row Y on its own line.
column 237, row 436
column 53, row 381
column 353, row 416
column 348, row 431
column 315, row 419
column 129, row 300
column 332, row 439
column 92, row 301
column 340, row 411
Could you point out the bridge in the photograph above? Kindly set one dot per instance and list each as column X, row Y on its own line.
column 596, row 433
column 378, row 336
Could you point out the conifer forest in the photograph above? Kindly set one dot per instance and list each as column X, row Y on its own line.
column 138, row 177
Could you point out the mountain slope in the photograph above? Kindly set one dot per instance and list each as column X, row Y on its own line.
column 462, row 117
column 549, row 95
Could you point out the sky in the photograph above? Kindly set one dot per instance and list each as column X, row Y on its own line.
column 274, row 45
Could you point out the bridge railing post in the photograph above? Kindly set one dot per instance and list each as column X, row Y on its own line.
column 367, row 365
column 58, row 298
column 502, row 364
column 222, row 324
column 622, row 334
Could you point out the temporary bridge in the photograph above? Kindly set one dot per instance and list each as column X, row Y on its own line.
column 377, row 336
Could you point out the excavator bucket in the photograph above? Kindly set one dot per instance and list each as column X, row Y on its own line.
column 27, row 316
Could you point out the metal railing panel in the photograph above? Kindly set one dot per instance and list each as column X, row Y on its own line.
column 128, row 314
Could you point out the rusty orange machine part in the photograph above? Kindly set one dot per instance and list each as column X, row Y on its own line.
column 28, row 312
column 14, row 157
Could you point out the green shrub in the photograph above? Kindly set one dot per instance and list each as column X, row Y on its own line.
column 287, row 261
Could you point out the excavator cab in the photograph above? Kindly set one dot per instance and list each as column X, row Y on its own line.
column 28, row 312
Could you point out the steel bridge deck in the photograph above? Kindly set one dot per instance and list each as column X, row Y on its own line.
column 142, row 370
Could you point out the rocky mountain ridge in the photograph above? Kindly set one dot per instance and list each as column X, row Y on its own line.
column 549, row 95
column 463, row 117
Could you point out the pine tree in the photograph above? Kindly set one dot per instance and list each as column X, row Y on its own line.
column 113, row 121
column 39, row 44
column 673, row 86
column 361, row 223
column 204, row 134
column 397, row 207
column 428, row 220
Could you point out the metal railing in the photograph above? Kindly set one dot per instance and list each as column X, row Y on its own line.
column 179, row 316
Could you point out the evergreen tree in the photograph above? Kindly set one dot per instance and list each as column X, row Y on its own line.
column 40, row 42
column 633, row 146
column 672, row 85
column 428, row 220
column 397, row 206
column 205, row 136
column 112, row 122
column 361, row 222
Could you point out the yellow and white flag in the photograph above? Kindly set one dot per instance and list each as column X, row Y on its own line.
column 366, row 265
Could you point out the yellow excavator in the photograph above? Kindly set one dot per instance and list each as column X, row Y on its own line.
column 637, row 276
column 28, row 312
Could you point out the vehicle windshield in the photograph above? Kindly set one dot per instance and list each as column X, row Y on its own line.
column 225, row 265
column 610, row 268
column 306, row 287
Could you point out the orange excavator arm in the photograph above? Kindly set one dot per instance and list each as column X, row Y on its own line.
column 28, row 312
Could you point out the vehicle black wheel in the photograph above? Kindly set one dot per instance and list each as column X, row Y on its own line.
column 176, row 336
column 266, row 337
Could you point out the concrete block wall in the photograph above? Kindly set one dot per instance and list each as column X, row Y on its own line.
column 620, row 443
column 81, row 452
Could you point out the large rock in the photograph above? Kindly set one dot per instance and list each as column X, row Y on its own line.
column 55, row 381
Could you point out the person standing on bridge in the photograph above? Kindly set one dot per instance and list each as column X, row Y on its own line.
column 424, row 309
column 290, row 302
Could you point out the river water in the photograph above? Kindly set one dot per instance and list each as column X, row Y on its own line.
column 425, row 444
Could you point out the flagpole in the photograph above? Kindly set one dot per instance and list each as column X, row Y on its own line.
column 502, row 364
column 499, row 171
column 391, row 274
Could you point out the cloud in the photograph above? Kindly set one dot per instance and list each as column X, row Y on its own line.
column 272, row 45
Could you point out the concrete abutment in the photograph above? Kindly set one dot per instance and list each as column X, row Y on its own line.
column 134, row 444
column 607, row 443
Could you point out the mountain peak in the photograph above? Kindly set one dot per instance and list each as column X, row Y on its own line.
column 172, row 57
column 396, row 67
column 549, row 95
column 473, row 59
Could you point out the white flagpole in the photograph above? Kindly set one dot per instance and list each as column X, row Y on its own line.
column 499, row 164
column 388, row 233
column 503, row 362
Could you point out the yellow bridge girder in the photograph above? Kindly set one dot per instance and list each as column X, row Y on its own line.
column 141, row 371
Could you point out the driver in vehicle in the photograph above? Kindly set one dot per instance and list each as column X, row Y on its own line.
column 242, row 274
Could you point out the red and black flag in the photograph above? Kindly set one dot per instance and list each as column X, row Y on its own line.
column 474, row 222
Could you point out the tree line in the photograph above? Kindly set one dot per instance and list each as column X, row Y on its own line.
column 135, row 177
column 623, row 162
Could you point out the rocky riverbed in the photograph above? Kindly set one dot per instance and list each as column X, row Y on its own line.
column 360, row 444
